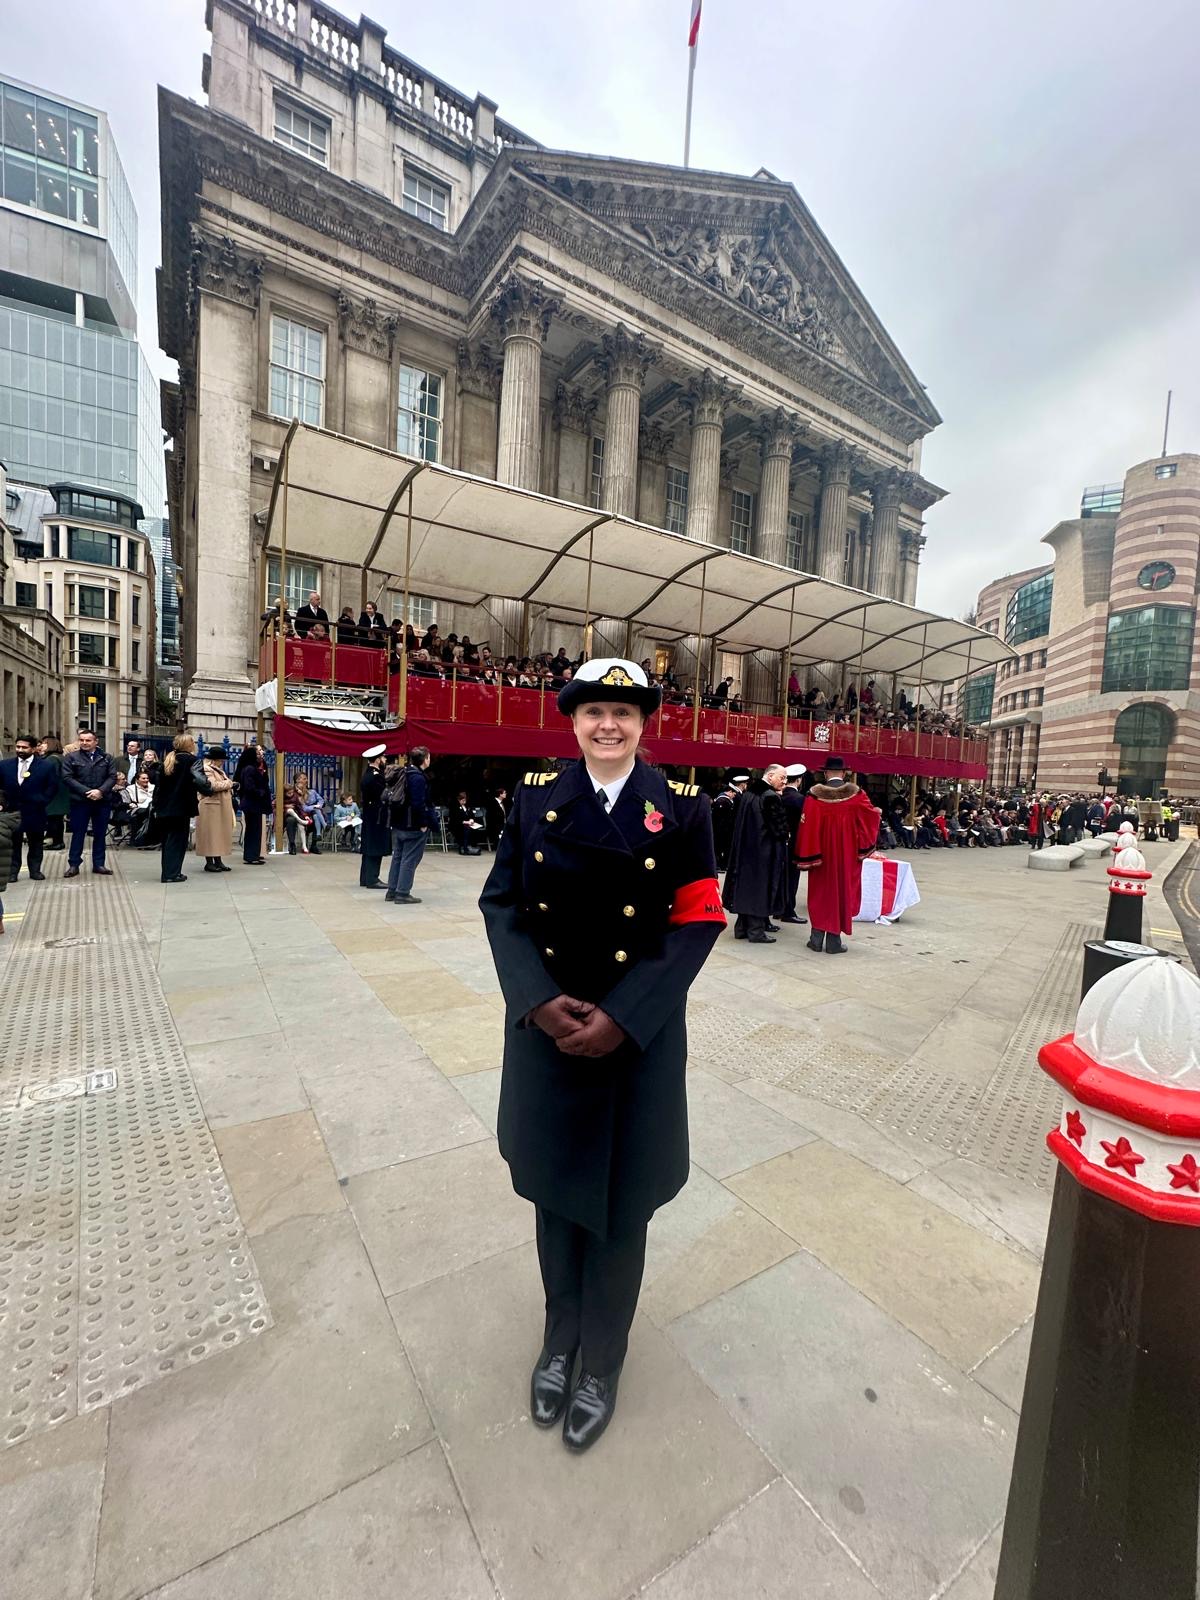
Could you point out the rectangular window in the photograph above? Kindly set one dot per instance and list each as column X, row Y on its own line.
column 297, row 371
column 677, row 500
column 1043, row 657
column 28, row 549
column 93, row 706
column 596, row 475
column 98, row 549
column 1024, row 697
column 137, row 656
column 423, row 198
column 1148, row 649
column 135, row 700
column 1039, row 697
column 113, row 598
column 741, row 521
column 1165, row 469
column 50, row 598
column 300, row 131
column 49, row 158
column 302, row 578
column 131, row 555
column 797, row 540
column 137, row 610
column 90, row 602
column 422, row 612
column 27, row 596
column 89, row 649
column 113, row 645
column 419, row 414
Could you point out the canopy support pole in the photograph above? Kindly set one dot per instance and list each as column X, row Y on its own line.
column 699, row 659
column 862, row 646
column 281, row 652
column 785, row 670
column 587, row 604
column 962, row 717
column 526, row 627
column 629, row 641
column 920, row 692
column 404, row 634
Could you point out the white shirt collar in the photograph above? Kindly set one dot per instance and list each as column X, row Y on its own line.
column 611, row 786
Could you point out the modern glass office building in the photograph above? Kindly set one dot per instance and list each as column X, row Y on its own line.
column 75, row 389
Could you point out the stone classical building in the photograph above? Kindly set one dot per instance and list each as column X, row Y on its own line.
column 81, row 558
column 349, row 240
column 31, row 652
column 1109, row 671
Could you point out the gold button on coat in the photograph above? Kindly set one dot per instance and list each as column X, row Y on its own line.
column 549, row 952
column 650, row 863
column 620, row 956
column 538, row 856
column 552, row 816
column 542, row 906
column 630, row 911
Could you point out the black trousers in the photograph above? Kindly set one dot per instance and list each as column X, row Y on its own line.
column 33, row 838
column 252, row 834
column 793, row 887
column 174, row 845
column 369, row 868
column 592, row 1287
column 55, row 828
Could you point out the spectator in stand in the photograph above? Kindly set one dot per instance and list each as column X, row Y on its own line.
column 794, row 692
column 175, row 804
column 407, row 792
column 51, row 750
column 372, row 629
column 137, row 798
column 721, row 693
column 375, row 839
column 254, row 796
column 347, row 631
column 129, row 765
column 470, row 651
column 91, row 776
column 309, row 614
column 432, row 641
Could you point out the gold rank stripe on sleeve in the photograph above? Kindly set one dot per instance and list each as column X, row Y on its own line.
column 688, row 789
column 538, row 780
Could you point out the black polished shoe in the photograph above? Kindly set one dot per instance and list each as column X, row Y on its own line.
column 102, row 872
column 37, row 877
column 71, row 872
column 760, row 938
column 550, row 1386
column 816, row 940
column 593, row 1401
column 772, row 927
column 834, row 945
column 739, row 933
column 390, row 895
column 179, row 878
column 797, row 922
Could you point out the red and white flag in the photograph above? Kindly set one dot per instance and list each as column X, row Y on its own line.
column 694, row 26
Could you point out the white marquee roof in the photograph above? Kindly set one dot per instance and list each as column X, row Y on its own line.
column 472, row 539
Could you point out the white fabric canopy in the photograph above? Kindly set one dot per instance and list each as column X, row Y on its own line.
column 462, row 538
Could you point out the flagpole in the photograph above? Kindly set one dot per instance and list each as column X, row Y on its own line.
column 693, row 46
column 687, row 127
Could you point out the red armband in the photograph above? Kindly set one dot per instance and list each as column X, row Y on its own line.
column 697, row 902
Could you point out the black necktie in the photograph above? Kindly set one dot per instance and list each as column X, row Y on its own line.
column 602, row 796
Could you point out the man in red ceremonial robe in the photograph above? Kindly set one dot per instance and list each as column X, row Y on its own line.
column 840, row 827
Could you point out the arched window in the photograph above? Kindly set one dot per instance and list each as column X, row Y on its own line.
column 1143, row 733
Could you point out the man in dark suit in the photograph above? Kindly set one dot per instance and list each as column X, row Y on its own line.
column 31, row 783
column 130, row 764
column 90, row 776
column 309, row 615
column 793, row 801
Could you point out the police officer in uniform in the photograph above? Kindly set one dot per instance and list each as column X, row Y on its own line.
column 601, row 908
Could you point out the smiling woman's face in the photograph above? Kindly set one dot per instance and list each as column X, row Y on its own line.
column 608, row 732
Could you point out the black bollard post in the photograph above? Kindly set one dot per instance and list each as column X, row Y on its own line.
column 1105, row 1493
column 1102, row 956
column 1128, row 878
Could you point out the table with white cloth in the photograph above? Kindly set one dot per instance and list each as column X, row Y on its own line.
column 888, row 889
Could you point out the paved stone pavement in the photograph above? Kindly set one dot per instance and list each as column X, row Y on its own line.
column 823, row 1382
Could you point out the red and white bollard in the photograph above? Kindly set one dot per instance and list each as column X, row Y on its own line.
column 1105, row 1494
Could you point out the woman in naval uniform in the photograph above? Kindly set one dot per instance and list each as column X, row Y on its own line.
column 601, row 908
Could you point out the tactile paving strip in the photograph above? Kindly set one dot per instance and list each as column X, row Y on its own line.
column 122, row 1256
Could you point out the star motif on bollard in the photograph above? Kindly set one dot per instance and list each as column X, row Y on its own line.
column 1123, row 1155
column 1075, row 1128
column 1185, row 1174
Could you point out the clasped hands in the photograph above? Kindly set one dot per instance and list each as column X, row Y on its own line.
column 578, row 1027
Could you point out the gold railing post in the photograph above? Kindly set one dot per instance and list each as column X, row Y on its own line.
column 862, row 646
column 453, row 693
column 499, row 698
column 699, row 653
column 407, row 597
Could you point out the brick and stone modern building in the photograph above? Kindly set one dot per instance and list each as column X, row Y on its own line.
column 350, row 240
column 1109, row 671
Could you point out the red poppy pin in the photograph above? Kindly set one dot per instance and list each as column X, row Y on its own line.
column 654, row 819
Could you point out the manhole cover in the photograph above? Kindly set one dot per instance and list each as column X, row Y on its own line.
column 70, row 943
column 70, row 1088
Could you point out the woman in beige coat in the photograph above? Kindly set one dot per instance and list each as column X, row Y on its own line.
column 214, row 825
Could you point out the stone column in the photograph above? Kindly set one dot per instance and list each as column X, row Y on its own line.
column 777, row 434
column 654, row 446
column 886, row 492
column 910, row 565
column 224, row 594
column 707, row 397
column 522, row 311
column 626, row 359
column 478, row 387
column 835, row 501
column 573, row 415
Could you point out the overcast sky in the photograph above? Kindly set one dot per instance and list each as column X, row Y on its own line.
column 1013, row 184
